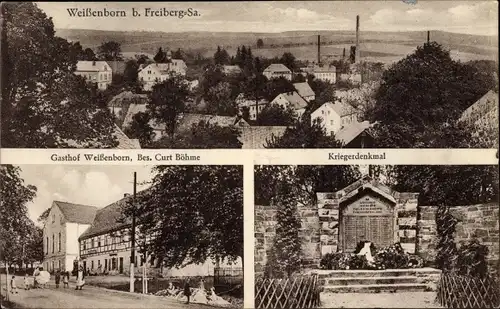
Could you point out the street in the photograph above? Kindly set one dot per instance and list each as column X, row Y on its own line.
column 89, row 297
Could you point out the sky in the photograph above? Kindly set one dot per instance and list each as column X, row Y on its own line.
column 472, row 17
column 87, row 185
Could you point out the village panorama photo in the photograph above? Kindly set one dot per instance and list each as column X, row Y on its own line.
column 285, row 74
column 341, row 236
column 84, row 236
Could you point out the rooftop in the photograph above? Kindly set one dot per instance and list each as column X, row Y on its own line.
column 304, row 89
column 256, row 137
column 296, row 101
column 92, row 66
column 77, row 213
column 350, row 132
column 277, row 67
column 342, row 108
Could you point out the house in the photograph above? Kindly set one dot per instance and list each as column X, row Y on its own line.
column 305, row 91
column 254, row 106
column 105, row 246
column 231, row 69
column 158, row 72
column 293, row 100
column 481, row 119
column 118, row 105
column 257, row 137
column 118, row 67
column 356, row 135
column 64, row 224
column 124, row 142
column 335, row 116
column 277, row 70
column 325, row 73
column 95, row 72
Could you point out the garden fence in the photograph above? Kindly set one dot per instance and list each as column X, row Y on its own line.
column 456, row 291
column 228, row 276
column 294, row 292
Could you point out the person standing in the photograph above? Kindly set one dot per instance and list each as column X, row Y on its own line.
column 58, row 278
column 26, row 282
column 66, row 279
column 187, row 291
column 36, row 273
column 80, row 282
column 13, row 286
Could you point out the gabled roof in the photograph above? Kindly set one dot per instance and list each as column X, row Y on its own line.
column 256, row 137
column 295, row 100
column 277, row 67
column 77, row 213
column 107, row 219
column 482, row 106
column 363, row 184
column 127, row 97
column 341, row 108
column 186, row 121
column 92, row 66
column 117, row 66
column 304, row 89
column 134, row 109
column 351, row 131
column 123, row 141
column 325, row 69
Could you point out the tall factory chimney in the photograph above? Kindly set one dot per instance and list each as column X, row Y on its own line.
column 356, row 59
column 319, row 49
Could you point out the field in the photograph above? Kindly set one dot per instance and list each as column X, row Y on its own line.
column 375, row 46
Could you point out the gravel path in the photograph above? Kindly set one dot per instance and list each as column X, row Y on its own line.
column 380, row 300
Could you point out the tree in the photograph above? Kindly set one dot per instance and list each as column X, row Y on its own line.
column 130, row 73
column 88, row 54
column 178, row 54
column 14, row 229
column 254, row 88
column 304, row 135
column 409, row 117
column 168, row 100
column 43, row 217
column 203, row 135
column 305, row 179
column 276, row 86
column 276, row 115
column 203, row 218
column 260, row 43
column 141, row 129
column 44, row 105
column 110, row 51
column 288, row 59
column 142, row 59
column 160, row 56
column 221, row 56
column 471, row 184
column 285, row 256
column 219, row 101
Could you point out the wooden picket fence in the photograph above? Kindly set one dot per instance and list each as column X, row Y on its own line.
column 290, row 293
column 455, row 291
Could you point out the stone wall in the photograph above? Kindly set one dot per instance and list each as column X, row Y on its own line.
column 480, row 221
column 265, row 230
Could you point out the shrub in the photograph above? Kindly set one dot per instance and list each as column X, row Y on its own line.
column 392, row 257
column 335, row 261
column 472, row 259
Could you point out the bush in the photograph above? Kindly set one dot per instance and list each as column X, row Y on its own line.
column 392, row 257
column 335, row 261
column 472, row 259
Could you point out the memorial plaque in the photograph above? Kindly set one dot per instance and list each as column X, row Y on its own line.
column 367, row 219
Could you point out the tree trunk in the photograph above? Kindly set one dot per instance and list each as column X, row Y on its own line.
column 8, row 281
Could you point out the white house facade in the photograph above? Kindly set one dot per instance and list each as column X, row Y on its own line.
column 64, row 224
column 254, row 107
column 292, row 100
column 335, row 116
column 158, row 72
column 277, row 70
column 95, row 72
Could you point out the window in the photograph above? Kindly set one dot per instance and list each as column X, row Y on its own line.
column 47, row 245
column 331, row 122
column 99, row 241
column 53, row 218
column 92, row 264
column 105, row 263
column 322, row 112
column 53, row 242
column 59, row 242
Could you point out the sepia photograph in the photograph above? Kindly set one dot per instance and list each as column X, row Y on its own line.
column 377, row 236
column 251, row 75
column 83, row 236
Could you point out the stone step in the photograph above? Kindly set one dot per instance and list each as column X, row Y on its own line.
column 419, row 272
column 376, row 288
column 344, row 281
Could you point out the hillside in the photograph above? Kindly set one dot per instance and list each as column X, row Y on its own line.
column 375, row 46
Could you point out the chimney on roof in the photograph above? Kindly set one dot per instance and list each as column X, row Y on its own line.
column 319, row 49
column 357, row 53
